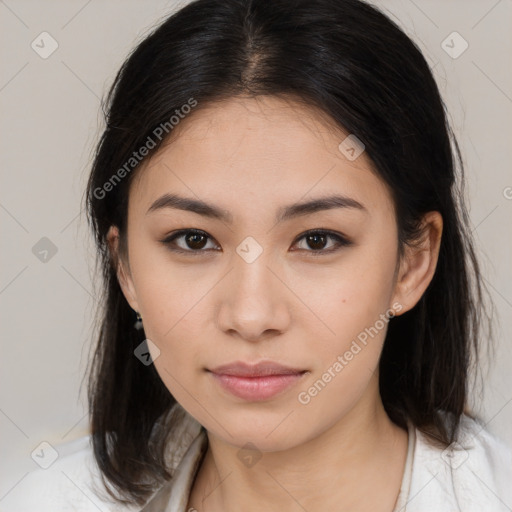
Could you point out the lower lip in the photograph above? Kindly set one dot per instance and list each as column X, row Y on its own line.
column 257, row 388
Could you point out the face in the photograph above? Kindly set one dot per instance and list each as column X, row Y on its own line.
column 244, row 282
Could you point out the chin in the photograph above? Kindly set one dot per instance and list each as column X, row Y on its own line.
column 264, row 429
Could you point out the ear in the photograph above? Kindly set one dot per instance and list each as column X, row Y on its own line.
column 122, row 269
column 419, row 263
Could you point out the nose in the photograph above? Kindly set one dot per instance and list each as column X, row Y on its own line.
column 253, row 301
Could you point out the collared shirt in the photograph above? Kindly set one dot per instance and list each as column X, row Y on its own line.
column 174, row 496
column 472, row 475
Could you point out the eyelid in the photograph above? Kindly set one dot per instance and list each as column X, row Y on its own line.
column 181, row 232
column 341, row 241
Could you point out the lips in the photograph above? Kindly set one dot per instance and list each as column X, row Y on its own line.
column 262, row 369
column 256, row 382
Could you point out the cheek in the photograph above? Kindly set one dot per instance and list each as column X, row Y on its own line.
column 176, row 319
column 170, row 325
column 169, row 293
column 353, row 313
column 347, row 353
column 351, row 296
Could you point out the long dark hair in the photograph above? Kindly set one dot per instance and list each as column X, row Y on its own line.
column 354, row 64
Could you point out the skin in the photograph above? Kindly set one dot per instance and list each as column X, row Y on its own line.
column 340, row 451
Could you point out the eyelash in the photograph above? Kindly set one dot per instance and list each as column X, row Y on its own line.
column 340, row 240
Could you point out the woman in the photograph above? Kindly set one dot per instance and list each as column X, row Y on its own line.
column 292, row 299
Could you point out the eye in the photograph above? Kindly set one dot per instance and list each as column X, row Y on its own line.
column 192, row 241
column 317, row 241
column 195, row 241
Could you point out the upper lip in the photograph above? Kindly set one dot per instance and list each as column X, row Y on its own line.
column 261, row 369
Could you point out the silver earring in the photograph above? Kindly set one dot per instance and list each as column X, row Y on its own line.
column 138, row 323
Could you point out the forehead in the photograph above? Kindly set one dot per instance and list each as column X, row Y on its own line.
column 263, row 149
column 262, row 125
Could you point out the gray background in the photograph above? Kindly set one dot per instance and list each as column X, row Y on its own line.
column 50, row 122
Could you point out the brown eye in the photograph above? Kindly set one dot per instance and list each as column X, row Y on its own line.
column 316, row 242
column 189, row 240
column 195, row 241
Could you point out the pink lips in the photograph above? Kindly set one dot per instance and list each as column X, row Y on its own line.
column 256, row 382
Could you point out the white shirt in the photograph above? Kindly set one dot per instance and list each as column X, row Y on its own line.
column 475, row 477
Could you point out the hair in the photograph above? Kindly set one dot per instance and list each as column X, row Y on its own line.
column 350, row 62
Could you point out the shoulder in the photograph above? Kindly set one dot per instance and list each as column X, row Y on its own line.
column 71, row 482
column 472, row 474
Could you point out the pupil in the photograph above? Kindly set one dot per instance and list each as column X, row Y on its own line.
column 314, row 239
column 192, row 241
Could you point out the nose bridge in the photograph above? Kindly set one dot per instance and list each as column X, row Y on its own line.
column 252, row 302
column 253, row 282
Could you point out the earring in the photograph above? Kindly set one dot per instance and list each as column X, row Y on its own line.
column 138, row 323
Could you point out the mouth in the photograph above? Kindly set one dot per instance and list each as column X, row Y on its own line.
column 256, row 382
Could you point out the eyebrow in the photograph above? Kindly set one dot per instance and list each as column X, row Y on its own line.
column 284, row 213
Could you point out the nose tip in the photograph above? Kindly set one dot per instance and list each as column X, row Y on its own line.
column 252, row 302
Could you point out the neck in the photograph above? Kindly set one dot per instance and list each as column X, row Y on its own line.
column 364, row 451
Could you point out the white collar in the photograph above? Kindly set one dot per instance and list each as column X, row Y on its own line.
column 174, row 495
column 430, row 481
